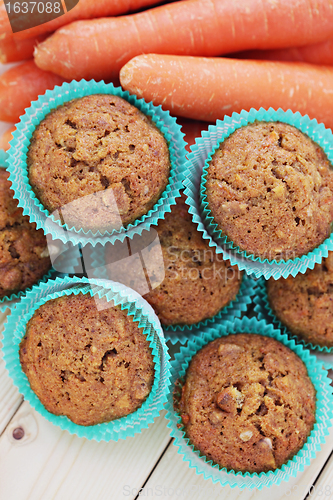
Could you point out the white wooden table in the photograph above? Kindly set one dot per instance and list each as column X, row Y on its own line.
column 48, row 463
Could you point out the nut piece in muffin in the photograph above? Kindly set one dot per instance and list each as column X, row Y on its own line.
column 304, row 304
column 98, row 163
column 247, row 403
column 91, row 365
column 197, row 283
column 24, row 256
column 270, row 190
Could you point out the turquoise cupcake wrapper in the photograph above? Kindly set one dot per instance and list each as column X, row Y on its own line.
column 182, row 333
column 68, row 261
column 10, row 300
column 197, row 165
column 143, row 315
column 324, row 409
column 3, row 158
column 7, row 305
column 264, row 311
column 19, row 173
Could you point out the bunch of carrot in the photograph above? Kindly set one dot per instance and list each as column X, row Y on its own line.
column 281, row 55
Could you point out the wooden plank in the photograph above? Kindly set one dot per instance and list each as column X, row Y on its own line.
column 52, row 464
column 173, row 479
column 323, row 487
column 10, row 399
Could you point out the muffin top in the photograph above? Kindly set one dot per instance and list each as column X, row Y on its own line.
column 91, row 365
column 304, row 303
column 99, row 161
column 270, row 190
column 24, row 256
column 247, row 402
column 195, row 283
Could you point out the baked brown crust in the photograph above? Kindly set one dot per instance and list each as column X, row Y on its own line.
column 99, row 145
column 304, row 304
column 92, row 366
column 247, row 402
column 24, row 257
column 197, row 284
column 270, row 190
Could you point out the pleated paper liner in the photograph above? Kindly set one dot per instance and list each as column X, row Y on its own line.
column 324, row 409
column 9, row 301
column 19, row 173
column 264, row 311
column 177, row 333
column 197, row 165
column 137, row 308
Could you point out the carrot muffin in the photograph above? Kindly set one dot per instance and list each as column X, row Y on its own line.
column 247, row 403
column 197, row 282
column 270, row 190
column 91, row 365
column 24, row 257
column 304, row 304
column 99, row 161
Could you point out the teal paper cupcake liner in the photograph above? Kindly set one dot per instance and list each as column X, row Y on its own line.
column 3, row 158
column 324, row 409
column 178, row 333
column 10, row 300
column 19, row 173
column 197, row 165
column 67, row 258
column 264, row 311
column 142, row 314
column 7, row 305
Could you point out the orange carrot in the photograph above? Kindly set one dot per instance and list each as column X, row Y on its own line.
column 85, row 9
column 192, row 129
column 12, row 49
column 6, row 138
column 318, row 53
column 21, row 85
column 100, row 47
column 208, row 89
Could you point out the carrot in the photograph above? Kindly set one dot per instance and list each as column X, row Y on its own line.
column 6, row 138
column 100, row 47
column 192, row 129
column 85, row 9
column 21, row 85
column 318, row 53
column 207, row 89
column 12, row 49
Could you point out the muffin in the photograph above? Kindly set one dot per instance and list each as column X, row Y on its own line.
column 270, row 190
column 304, row 304
column 89, row 364
column 24, row 256
column 197, row 282
column 247, row 403
column 98, row 163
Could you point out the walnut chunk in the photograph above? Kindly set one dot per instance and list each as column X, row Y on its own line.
column 278, row 190
column 246, row 436
column 266, row 441
column 229, row 349
column 265, row 452
column 44, row 253
column 229, row 400
column 215, row 417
